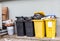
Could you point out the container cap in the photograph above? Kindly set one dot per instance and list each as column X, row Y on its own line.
column 41, row 12
column 20, row 18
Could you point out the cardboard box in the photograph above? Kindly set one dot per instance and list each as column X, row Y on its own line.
column 4, row 17
column 4, row 10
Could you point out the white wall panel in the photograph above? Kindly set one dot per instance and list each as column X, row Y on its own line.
column 27, row 8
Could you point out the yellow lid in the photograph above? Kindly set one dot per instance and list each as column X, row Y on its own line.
column 41, row 12
column 36, row 12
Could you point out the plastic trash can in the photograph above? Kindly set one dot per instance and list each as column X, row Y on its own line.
column 39, row 28
column 50, row 28
column 29, row 27
column 10, row 30
column 20, row 26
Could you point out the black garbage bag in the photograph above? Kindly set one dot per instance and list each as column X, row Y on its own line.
column 37, row 16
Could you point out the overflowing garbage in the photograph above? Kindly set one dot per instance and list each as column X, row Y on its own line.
column 38, row 25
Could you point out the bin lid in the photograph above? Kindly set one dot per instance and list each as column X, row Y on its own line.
column 42, row 13
column 20, row 18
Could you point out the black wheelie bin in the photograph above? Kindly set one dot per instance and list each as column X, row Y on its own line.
column 20, row 26
column 29, row 27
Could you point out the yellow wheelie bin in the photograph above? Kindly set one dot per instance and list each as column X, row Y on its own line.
column 39, row 28
column 50, row 28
